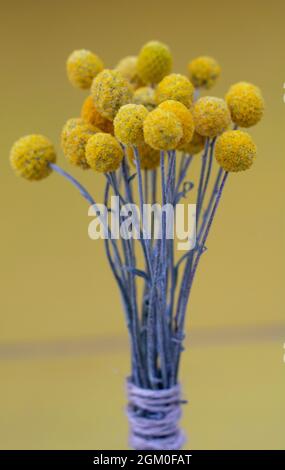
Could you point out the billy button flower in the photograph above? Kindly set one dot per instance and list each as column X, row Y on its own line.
column 211, row 116
column 103, row 153
column 31, row 155
column 145, row 95
column 162, row 130
column 204, row 72
column 82, row 66
column 175, row 87
column 185, row 117
column 245, row 103
column 128, row 69
column 149, row 157
column 235, row 151
column 74, row 146
column 128, row 124
column 110, row 90
column 90, row 114
column 154, row 62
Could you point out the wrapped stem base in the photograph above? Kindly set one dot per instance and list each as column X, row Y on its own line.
column 154, row 418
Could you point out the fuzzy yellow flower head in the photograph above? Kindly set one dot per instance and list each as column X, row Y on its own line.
column 235, row 151
column 196, row 145
column 128, row 68
column 68, row 128
column 146, row 96
column 128, row 124
column 149, row 157
column 104, row 153
column 185, row 117
column 82, row 66
column 75, row 145
column 245, row 103
column 175, row 87
column 211, row 116
column 154, row 62
column 90, row 114
column 162, row 130
column 204, row 71
column 30, row 157
column 110, row 90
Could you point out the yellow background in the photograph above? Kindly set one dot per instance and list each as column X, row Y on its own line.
column 63, row 345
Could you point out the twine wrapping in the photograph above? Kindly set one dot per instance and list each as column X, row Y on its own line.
column 154, row 418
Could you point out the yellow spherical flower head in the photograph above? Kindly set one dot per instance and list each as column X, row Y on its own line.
column 68, row 128
column 204, row 71
column 235, row 151
column 104, row 153
column 110, row 90
column 245, row 103
column 128, row 124
column 75, row 145
column 146, row 96
column 149, row 157
column 175, row 87
column 154, row 62
column 128, row 69
column 82, row 66
column 90, row 114
column 211, row 116
column 185, row 117
column 31, row 155
column 162, row 130
column 196, row 145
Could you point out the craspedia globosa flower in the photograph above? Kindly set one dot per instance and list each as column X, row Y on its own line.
column 211, row 116
column 104, row 153
column 235, row 151
column 31, row 155
column 75, row 145
column 162, row 130
column 175, row 87
column 149, row 157
column 128, row 124
column 90, row 114
column 110, row 90
column 185, row 117
column 82, row 66
column 128, row 68
column 204, row 72
column 196, row 144
column 245, row 103
column 145, row 95
column 154, row 62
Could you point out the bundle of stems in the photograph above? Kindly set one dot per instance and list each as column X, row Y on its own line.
column 156, row 319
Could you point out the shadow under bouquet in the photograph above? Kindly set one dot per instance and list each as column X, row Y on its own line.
column 141, row 127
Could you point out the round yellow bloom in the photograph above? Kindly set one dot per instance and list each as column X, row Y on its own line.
column 90, row 114
column 175, row 87
column 149, row 157
column 162, row 130
column 128, row 69
column 69, row 126
column 128, row 124
column 211, row 116
column 154, row 62
column 30, row 157
column 110, row 90
column 185, row 117
column 82, row 66
column 235, row 151
column 145, row 96
column 204, row 72
column 104, row 153
column 196, row 145
column 75, row 145
column 245, row 103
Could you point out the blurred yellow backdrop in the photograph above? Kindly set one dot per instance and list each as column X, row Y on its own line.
column 58, row 297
